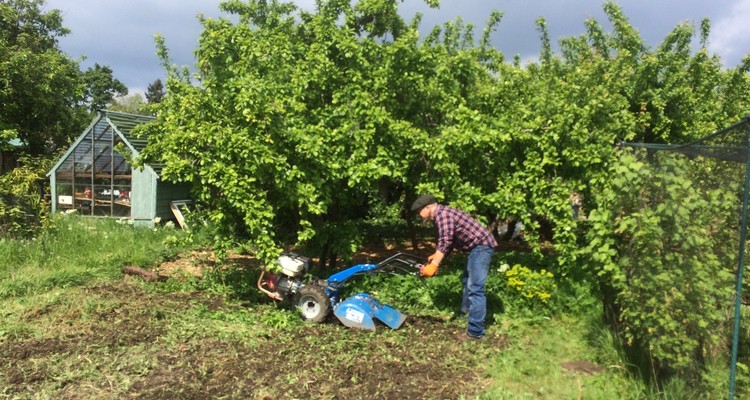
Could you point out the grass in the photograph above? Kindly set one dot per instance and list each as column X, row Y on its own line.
column 519, row 374
column 74, row 327
column 76, row 251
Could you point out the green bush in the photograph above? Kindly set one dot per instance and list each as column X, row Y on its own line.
column 23, row 211
column 664, row 251
column 534, row 287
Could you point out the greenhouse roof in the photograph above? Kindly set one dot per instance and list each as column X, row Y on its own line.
column 122, row 125
column 125, row 123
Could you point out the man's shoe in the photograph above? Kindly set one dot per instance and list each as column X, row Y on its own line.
column 466, row 337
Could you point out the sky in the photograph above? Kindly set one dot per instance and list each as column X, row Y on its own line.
column 120, row 33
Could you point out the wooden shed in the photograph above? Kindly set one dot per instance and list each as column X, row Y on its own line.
column 9, row 157
column 95, row 179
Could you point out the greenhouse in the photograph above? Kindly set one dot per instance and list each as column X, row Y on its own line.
column 95, row 178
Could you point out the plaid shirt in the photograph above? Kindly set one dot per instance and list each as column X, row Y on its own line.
column 458, row 230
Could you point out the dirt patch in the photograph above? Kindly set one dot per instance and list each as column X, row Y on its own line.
column 583, row 367
column 196, row 263
column 327, row 362
column 123, row 335
column 22, row 350
column 16, row 376
column 191, row 264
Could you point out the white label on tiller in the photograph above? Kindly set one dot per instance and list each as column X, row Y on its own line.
column 354, row 315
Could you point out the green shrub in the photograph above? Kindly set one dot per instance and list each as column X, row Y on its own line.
column 522, row 291
column 23, row 211
column 535, row 287
column 664, row 252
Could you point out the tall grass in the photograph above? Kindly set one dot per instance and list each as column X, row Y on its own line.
column 75, row 250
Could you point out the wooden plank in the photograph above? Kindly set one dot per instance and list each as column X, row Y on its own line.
column 179, row 208
column 99, row 202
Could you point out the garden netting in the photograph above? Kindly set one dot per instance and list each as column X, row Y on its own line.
column 698, row 192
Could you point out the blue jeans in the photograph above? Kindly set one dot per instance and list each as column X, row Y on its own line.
column 473, row 279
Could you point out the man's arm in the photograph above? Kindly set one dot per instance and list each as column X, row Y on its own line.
column 437, row 258
column 446, row 229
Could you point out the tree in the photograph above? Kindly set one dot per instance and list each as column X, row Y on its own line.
column 133, row 104
column 42, row 90
column 39, row 85
column 300, row 123
column 297, row 124
column 101, row 87
column 155, row 92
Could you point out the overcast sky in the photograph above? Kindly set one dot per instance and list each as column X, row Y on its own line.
column 119, row 33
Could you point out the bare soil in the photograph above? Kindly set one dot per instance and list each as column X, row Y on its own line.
column 124, row 351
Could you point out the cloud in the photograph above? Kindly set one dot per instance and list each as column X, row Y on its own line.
column 730, row 35
column 120, row 33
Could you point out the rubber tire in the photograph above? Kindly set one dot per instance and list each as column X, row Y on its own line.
column 313, row 303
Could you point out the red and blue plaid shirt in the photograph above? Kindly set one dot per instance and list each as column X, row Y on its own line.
column 457, row 230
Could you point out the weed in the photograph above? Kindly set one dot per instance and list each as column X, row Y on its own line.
column 74, row 251
column 281, row 319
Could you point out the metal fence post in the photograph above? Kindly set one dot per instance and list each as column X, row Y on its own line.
column 740, row 268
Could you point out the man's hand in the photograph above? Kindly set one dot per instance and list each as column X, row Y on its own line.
column 428, row 270
column 436, row 258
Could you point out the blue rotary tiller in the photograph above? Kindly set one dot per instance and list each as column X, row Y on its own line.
column 318, row 297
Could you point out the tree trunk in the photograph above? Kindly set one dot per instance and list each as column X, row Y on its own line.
column 332, row 257
column 410, row 229
column 324, row 255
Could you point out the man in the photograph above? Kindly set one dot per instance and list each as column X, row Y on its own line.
column 457, row 230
